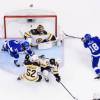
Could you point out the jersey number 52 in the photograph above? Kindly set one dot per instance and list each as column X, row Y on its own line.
column 31, row 72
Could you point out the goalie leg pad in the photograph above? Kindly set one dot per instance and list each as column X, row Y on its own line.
column 45, row 45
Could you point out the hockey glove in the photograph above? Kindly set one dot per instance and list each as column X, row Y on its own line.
column 58, row 79
column 83, row 40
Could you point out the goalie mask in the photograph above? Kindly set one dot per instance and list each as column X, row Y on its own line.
column 40, row 28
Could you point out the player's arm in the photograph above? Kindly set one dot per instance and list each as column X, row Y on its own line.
column 27, row 35
column 58, row 79
column 51, row 37
column 29, row 51
column 33, row 31
column 85, row 45
column 97, row 39
column 45, row 32
column 56, row 74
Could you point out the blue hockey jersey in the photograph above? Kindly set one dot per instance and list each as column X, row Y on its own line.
column 94, row 45
column 14, row 45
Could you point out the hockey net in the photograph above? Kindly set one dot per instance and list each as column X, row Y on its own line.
column 17, row 23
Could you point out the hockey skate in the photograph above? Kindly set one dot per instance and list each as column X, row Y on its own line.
column 3, row 48
column 46, row 79
column 16, row 63
column 18, row 78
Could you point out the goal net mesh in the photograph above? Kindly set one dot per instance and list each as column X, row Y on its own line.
column 17, row 23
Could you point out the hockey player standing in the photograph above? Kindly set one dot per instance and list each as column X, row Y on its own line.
column 93, row 43
column 14, row 47
column 49, row 66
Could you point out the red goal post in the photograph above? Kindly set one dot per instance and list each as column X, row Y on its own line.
column 7, row 33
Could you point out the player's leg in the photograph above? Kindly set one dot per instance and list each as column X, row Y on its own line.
column 45, row 73
column 39, row 78
column 16, row 58
column 21, row 77
column 95, row 61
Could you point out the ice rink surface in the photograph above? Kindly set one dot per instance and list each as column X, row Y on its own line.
column 76, row 74
column 75, row 17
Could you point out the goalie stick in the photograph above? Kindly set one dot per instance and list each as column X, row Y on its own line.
column 68, row 91
column 71, row 36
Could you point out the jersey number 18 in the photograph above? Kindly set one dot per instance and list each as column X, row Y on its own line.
column 94, row 47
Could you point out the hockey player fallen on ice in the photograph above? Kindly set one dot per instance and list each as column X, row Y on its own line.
column 41, row 32
column 49, row 66
column 93, row 43
column 14, row 47
column 32, row 70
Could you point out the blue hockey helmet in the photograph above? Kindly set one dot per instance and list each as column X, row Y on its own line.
column 25, row 45
column 87, row 37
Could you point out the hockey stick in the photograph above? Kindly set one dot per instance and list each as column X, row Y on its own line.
column 71, row 36
column 68, row 91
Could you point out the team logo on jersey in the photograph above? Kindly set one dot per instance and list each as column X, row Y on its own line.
column 39, row 40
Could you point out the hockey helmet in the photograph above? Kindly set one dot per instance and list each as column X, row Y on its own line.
column 34, row 58
column 25, row 45
column 40, row 28
column 52, row 61
column 87, row 37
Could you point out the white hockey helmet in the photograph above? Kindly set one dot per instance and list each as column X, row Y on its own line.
column 34, row 58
